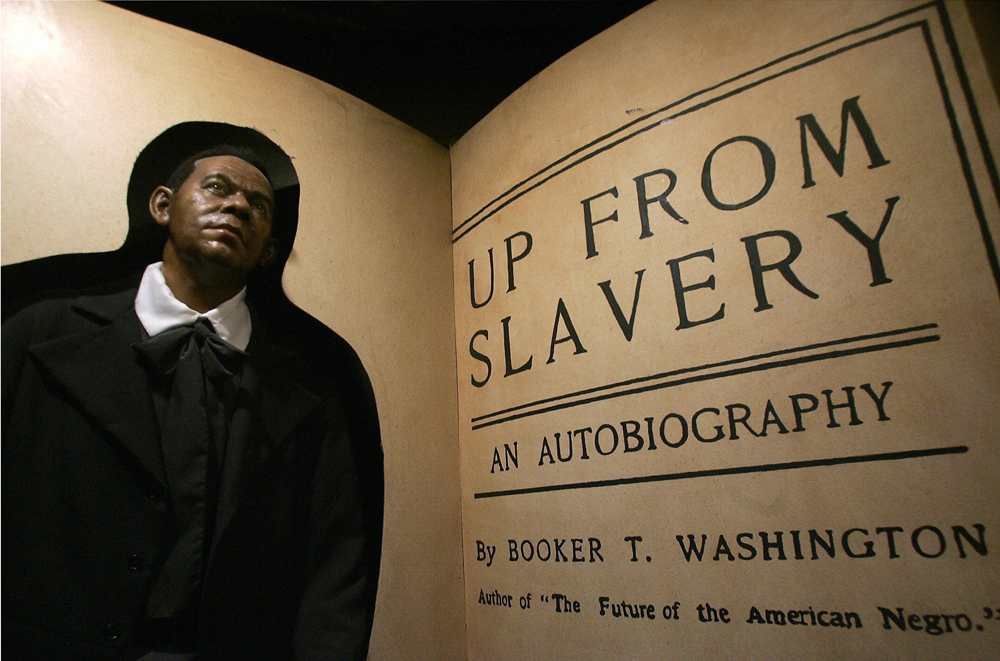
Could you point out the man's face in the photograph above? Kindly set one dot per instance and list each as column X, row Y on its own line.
column 221, row 215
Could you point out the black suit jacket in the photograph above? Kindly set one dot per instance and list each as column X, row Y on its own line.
column 85, row 499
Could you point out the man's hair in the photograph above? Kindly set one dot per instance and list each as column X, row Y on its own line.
column 184, row 170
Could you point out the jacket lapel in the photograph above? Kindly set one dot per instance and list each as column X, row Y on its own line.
column 271, row 405
column 98, row 370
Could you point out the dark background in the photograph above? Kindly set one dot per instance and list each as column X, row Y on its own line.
column 438, row 66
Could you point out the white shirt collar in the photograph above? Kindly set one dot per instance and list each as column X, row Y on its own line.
column 159, row 310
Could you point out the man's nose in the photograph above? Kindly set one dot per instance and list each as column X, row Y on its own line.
column 236, row 203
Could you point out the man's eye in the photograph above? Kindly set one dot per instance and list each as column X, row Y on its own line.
column 214, row 186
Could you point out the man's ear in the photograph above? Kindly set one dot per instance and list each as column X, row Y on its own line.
column 159, row 205
column 270, row 252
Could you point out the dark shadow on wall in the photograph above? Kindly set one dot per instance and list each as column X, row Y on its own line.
column 335, row 362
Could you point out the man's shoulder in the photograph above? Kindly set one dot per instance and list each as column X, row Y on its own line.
column 57, row 317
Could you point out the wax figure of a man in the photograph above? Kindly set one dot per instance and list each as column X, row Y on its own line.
column 175, row 488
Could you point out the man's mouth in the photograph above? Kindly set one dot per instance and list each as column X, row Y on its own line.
column 229, row 229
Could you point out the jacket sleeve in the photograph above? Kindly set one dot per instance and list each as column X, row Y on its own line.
column 332, row 620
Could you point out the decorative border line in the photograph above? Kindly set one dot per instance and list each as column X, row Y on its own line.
column 669, row 379
column 737, row 470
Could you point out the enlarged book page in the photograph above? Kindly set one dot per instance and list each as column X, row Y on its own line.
column 728, row 330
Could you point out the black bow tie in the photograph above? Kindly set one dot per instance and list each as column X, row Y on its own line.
column 164, row 350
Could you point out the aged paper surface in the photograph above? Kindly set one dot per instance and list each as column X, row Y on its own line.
column 728, row 342
column 86, row 86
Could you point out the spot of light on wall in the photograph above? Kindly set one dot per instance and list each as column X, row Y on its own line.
column 29, row 39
